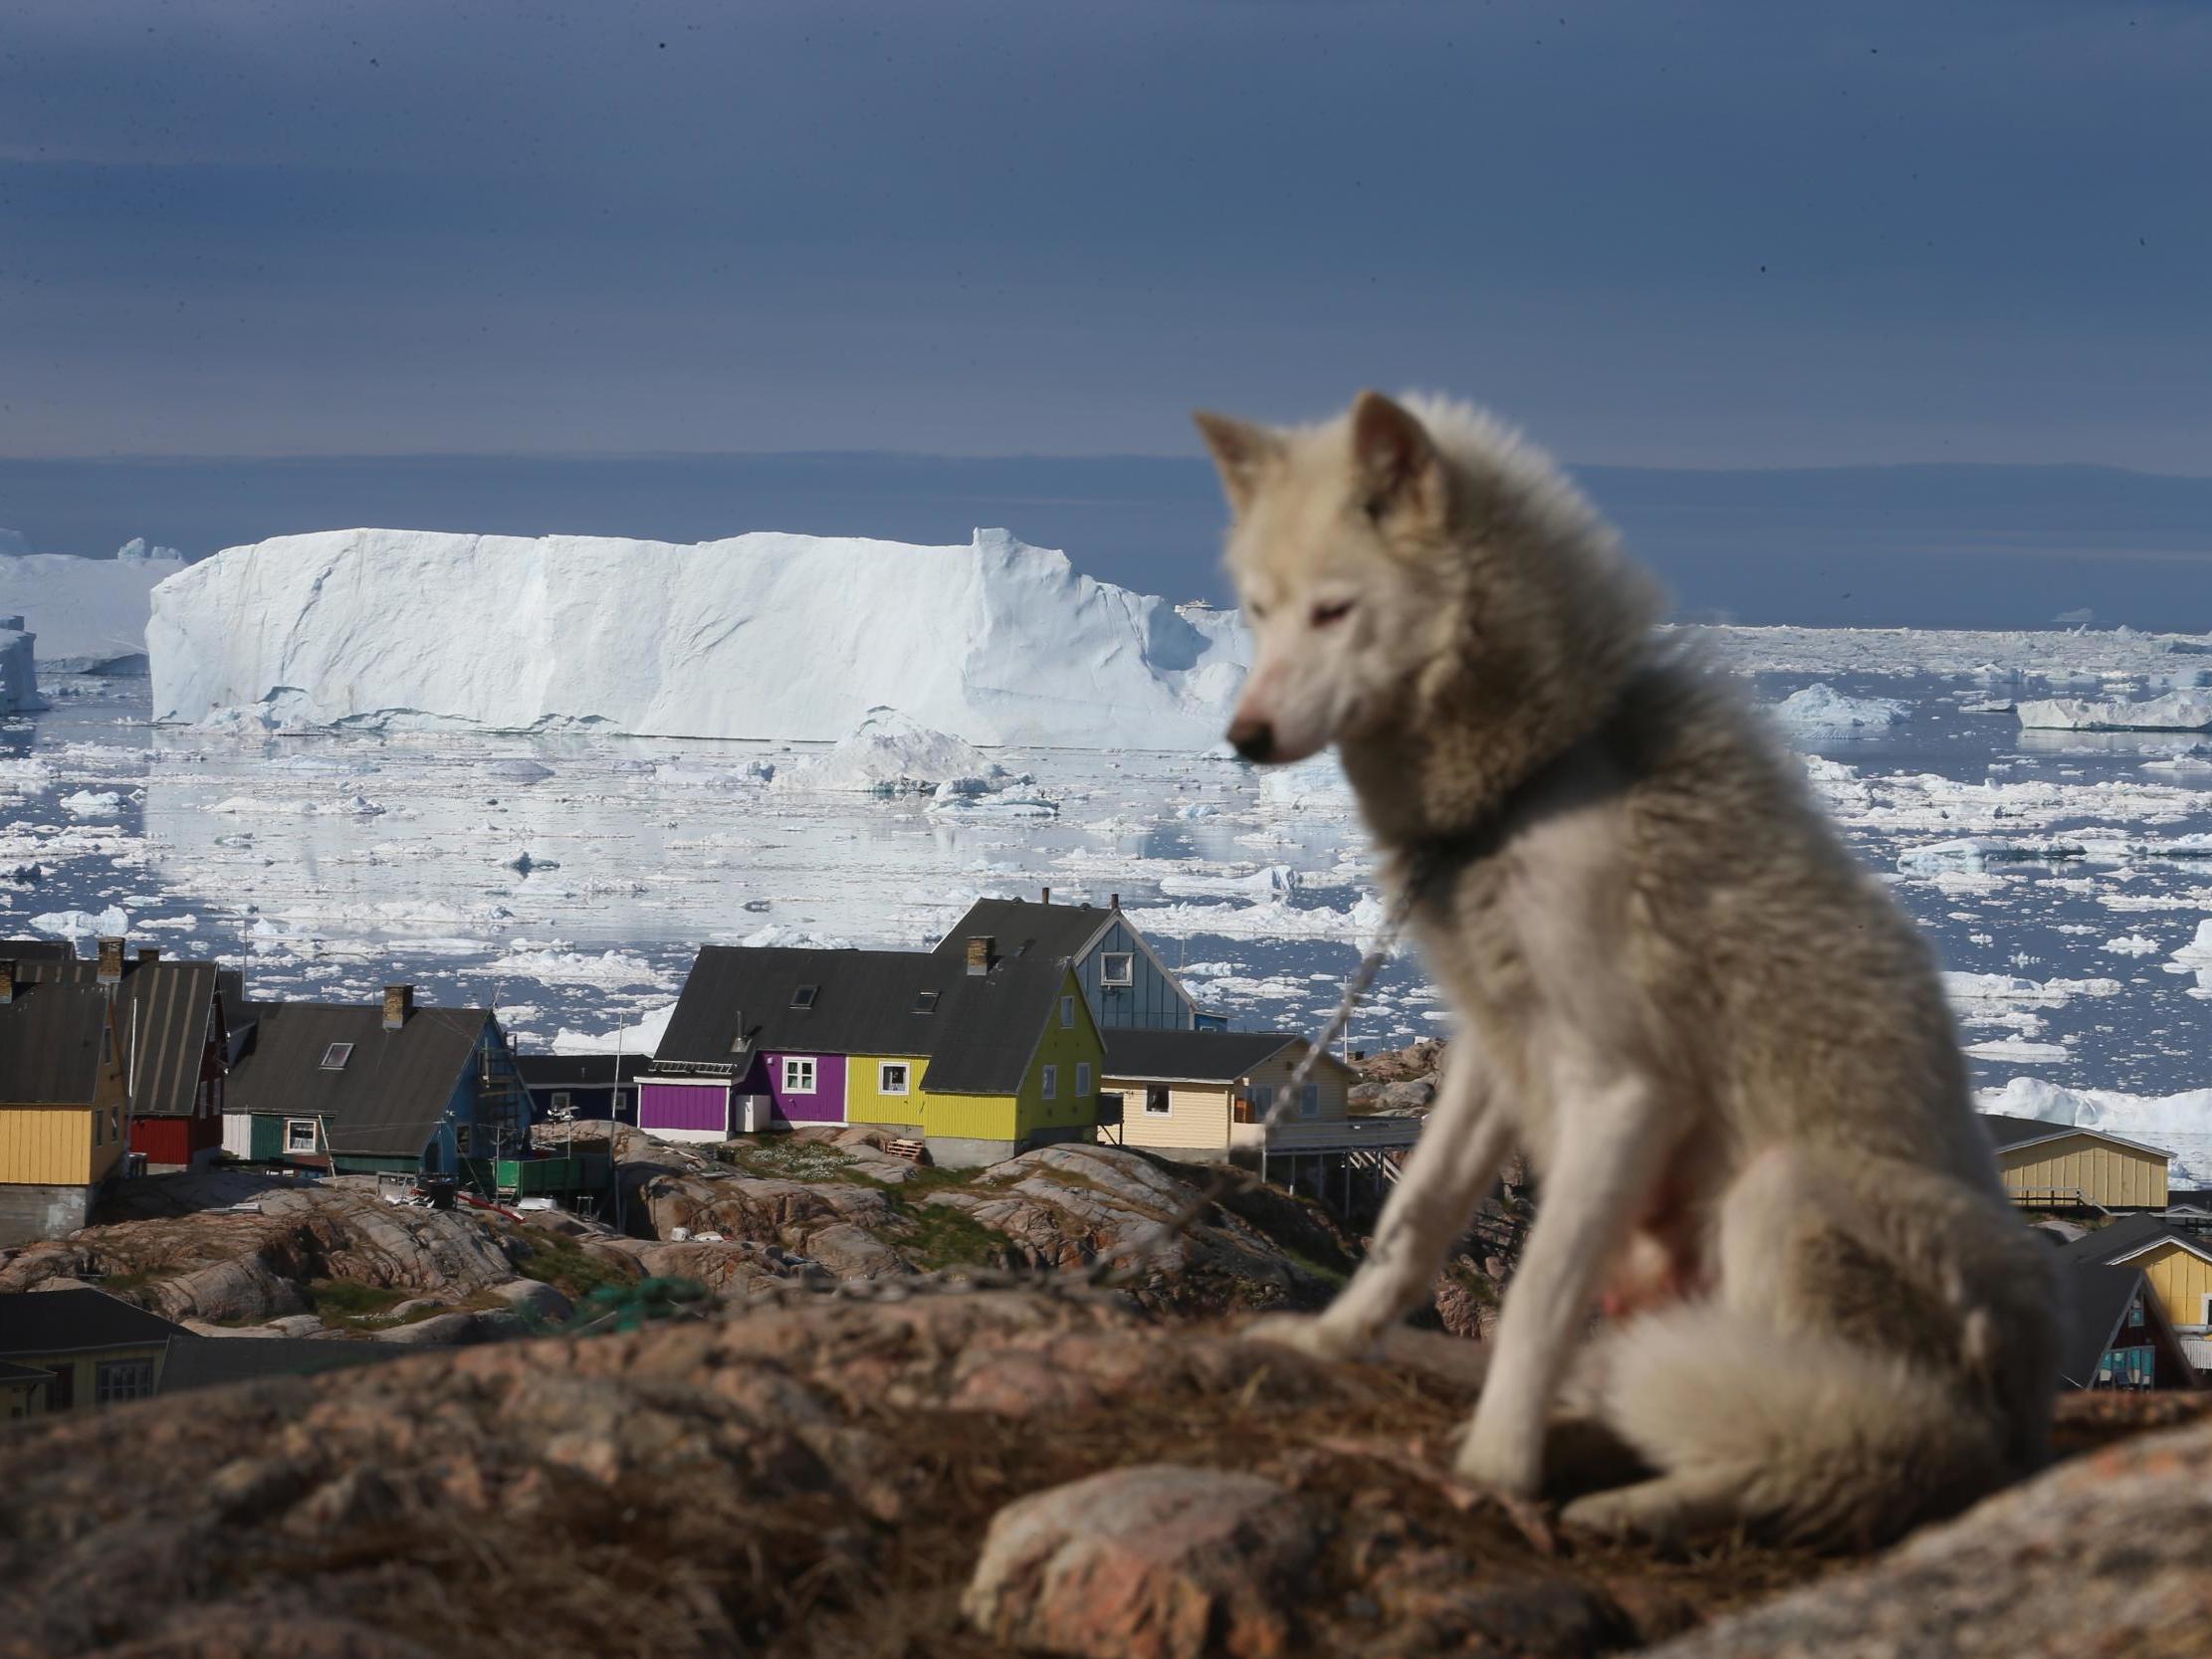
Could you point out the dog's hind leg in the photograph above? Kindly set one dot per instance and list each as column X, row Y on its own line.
column 1462, row 1149
column 1607, row 1159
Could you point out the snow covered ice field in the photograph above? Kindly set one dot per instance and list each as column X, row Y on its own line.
column 2061, row 875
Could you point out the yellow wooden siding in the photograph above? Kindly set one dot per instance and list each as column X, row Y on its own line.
column 2116, row 1178
column 1066, row 1047
column 1326, row 1079
column 2182, row 1281
column 865, row 1101
column 1196, row 1119
column 52, row 1146
column 972, row 1116
column 85, row 1380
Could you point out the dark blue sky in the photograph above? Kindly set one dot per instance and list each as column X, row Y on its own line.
column 1712, row 234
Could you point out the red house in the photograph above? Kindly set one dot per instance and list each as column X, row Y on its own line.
column 169, row 1018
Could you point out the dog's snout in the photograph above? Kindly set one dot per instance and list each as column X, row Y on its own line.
column 1253, row 739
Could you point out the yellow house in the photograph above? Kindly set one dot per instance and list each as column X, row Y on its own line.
column 1206, row 1097
column 981, row 1056
column 2066, row 1166
column 2177, row 1267
column 63, row 1103
column 88, row 1348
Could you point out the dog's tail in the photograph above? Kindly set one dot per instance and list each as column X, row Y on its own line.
column 1816, row 1440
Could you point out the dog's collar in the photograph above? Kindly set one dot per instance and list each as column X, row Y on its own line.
column 1431, row 858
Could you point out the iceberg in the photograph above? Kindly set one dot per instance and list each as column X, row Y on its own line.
column 90, row 614
column 1822, row 707
column 19, row 669
column 764, row 635
column 2189, row 711
column 888, row 753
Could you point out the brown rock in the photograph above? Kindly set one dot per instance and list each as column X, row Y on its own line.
column 1157, row 1562
column 2105, row 1555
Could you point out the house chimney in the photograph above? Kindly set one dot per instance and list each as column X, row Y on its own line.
column 1113, row 901
column 149, row 953
column 980, row 951
column 111, row 962
column 399, row 1002
column 1047, row 895
column 7, row 984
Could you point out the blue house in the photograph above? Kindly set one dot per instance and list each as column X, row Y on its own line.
column 367, row 1088
column 565, row 1087
column 1122, row 977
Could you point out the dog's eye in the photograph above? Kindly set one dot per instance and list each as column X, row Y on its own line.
column 1258, row 610
column 1333, row 612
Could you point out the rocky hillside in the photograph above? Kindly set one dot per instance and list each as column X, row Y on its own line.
column 976, row 1474
column 242, row 1253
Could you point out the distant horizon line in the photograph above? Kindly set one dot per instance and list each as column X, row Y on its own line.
column 940, row 457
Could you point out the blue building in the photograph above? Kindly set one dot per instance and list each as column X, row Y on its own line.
column 1122, row 977
column 566, row 1087
column 370, row 1088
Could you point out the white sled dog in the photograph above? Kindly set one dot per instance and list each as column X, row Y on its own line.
column 1724, row 1051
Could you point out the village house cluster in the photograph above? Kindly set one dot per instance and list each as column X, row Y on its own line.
column 1030, row 1023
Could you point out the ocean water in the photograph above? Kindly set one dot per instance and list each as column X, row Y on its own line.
column 567, row 880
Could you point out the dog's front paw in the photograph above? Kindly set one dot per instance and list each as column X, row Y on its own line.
column 1509, row 1464
column 1309, row 1334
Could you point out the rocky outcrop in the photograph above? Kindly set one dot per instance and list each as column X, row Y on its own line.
column 230, row 1267
column 953, row 1474
column 1066, row 1206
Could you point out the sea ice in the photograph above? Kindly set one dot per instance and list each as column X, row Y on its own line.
column 2181, row 1124
column 90, row 614
column 888, row 753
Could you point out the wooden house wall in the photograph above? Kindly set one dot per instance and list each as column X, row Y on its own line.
column 2116, row 1178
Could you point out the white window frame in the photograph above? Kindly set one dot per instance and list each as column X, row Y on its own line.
column 343, row 1052
column 797, row 1066
column 1128, row 973
column 290, row 1136
column 560, row 1100
column 885, row 1067
column 1067, row 1013
column 1048, row 1083
column 1165, row 1096
column 1082, row 1080
column 117, row 1380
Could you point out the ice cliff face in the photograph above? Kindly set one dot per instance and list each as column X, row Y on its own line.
column 758, row 636
column 90, row 614
column 19, row 674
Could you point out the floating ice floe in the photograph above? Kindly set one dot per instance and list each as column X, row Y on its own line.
column 1315, row 785
column 642, row 1038
column 77, row 924
column 550, row 964
column 2196, row 958
column 2130, row 944
column 2186, row 711
column 1822, row 707
column 1274, row 880
column 1974, row 854
column 2004, row 987
column 889, row 754
column 87, row 803
column 785, row 934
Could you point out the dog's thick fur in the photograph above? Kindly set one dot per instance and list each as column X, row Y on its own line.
column 1723, row 1049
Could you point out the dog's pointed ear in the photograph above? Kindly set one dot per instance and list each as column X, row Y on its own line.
column 1242, row 452
column 1397, row 461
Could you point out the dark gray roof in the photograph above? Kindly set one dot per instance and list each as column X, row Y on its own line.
column 978, row 1037
column 167, row 1018
column 2005, row 1133
column 53, row 1044
column 35, row 950
column 12, row 1373
column 58, row 1322
column 578, row 1070
column 2100, row 1296
column 391, row 1093
column 1192, row 1056
column 197, row 1361
column 1055, row 929
column 2125, row 1237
